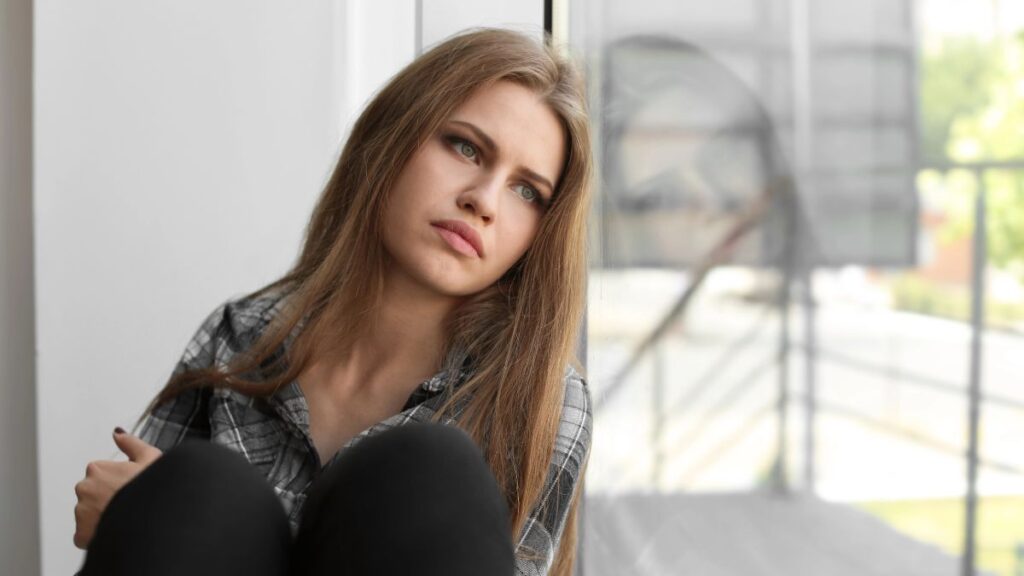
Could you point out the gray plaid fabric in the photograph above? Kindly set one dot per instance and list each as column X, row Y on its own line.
column 273, row 433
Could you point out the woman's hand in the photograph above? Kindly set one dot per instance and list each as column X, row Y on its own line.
column 103, row 478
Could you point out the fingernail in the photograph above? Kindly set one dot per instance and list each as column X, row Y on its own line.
column 118, row 430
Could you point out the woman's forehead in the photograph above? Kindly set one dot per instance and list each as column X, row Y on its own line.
column 518, row 124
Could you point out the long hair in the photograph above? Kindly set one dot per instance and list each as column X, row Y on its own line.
column 520, row 333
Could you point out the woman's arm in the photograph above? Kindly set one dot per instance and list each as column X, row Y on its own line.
column 103, row 478
column 165, row 427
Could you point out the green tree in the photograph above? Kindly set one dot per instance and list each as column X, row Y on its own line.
column 952, row 81
column 972, row 96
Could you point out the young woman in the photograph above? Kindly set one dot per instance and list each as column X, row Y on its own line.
column 407, row 390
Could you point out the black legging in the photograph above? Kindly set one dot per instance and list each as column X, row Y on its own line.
column 418, row 499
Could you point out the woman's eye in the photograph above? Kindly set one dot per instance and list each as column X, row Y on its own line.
column 465, row 148
column 529, row 193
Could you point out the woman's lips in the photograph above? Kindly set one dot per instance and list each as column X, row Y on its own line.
column 459, row 236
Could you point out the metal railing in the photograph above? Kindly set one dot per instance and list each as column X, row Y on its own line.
column 814, row 354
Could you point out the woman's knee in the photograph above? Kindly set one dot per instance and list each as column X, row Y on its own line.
column 414, row 496
column 410, row 463
column 205, row 481
column 196, row 475
column 197, row 497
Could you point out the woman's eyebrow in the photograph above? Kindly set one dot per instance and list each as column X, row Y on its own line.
column 538, row 178
column 493, row 147
column 488, row 143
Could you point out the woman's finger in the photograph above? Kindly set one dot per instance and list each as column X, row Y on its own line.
column 135, row 448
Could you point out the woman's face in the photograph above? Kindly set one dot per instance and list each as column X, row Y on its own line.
column 470, row 200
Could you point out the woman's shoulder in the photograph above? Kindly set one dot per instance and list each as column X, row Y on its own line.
column 248, row 315
column 234, row 325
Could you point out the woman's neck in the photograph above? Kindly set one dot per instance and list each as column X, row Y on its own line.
column 400, row 348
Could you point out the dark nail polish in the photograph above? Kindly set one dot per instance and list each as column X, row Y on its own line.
column 118, row 430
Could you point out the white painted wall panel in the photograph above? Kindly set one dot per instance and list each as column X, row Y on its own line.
column 179, row 149
column 442, row 18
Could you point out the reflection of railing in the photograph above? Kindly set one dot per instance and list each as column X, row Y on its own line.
column 914, row 379
column 739, row 386
column 814, row 354
column 925, row 383
column 979, row 262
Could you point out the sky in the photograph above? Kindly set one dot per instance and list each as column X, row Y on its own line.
column 981, row 18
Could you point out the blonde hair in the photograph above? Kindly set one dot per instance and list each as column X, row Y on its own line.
column 519, row 333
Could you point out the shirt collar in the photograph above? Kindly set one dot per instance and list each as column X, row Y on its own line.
column 436, row 383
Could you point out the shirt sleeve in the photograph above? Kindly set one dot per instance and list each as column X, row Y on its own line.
column 542, row 532
column 185, row 415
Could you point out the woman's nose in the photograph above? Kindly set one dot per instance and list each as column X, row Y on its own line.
column 482, row 198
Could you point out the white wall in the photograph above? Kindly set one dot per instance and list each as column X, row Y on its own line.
column 441, row 18
column 19, row 519
column 180, row 146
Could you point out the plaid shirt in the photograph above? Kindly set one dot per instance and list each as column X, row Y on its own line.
column 273, row 433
